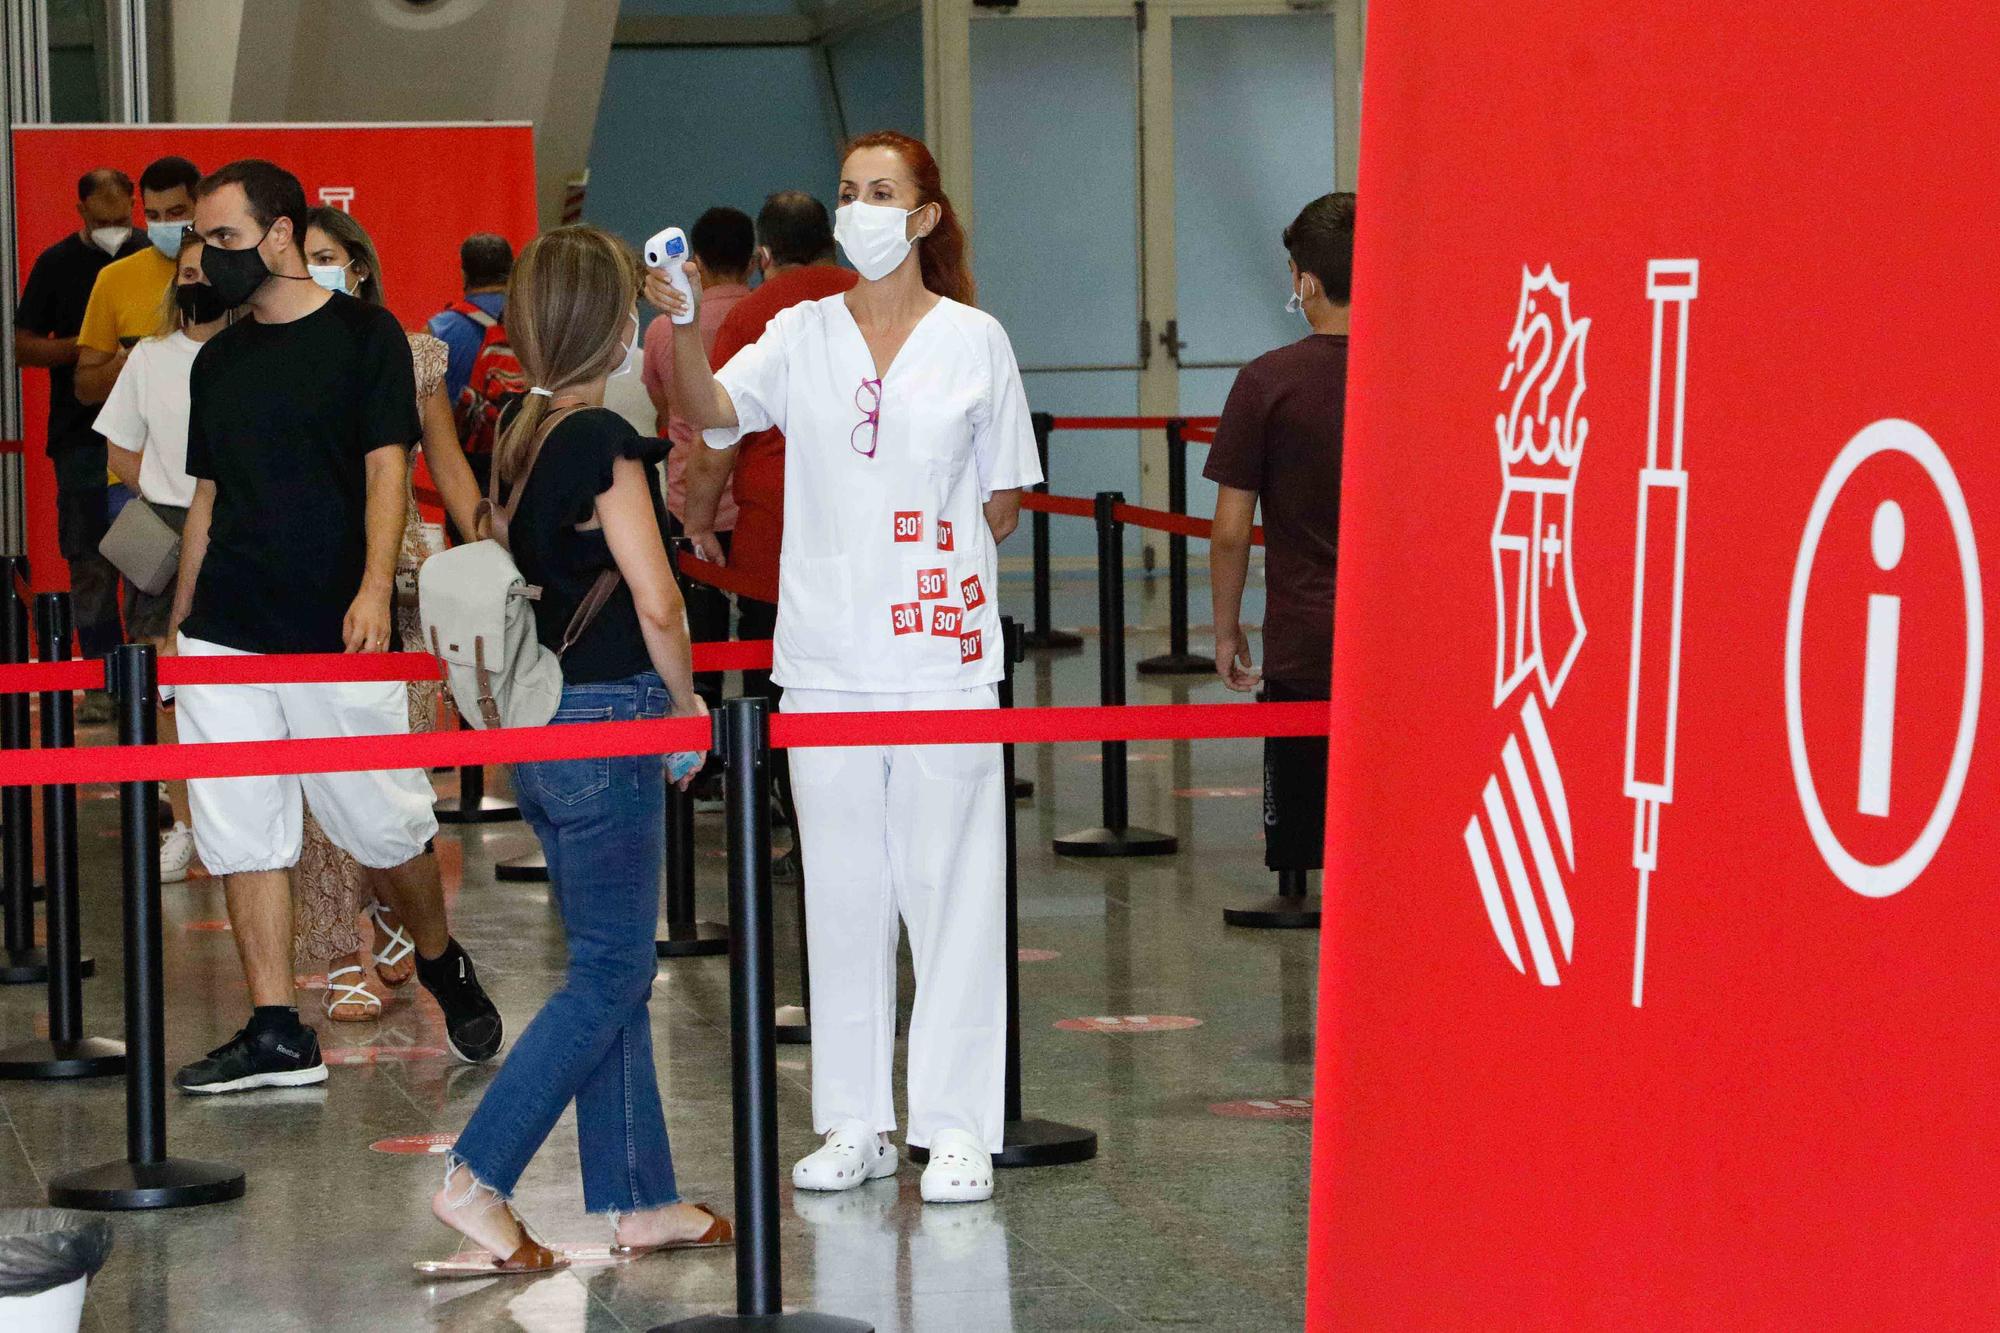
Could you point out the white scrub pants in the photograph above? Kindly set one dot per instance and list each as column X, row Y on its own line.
column 914, row 830
column 381, row 818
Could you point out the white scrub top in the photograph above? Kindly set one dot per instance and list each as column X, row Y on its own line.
column 888, row 573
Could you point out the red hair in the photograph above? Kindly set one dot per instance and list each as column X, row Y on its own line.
column 941, row 254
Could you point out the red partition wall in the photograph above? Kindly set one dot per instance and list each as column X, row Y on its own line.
column 1660, row 983
column 419, row 189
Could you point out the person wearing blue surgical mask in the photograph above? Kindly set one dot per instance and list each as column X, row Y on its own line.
column 330, row 889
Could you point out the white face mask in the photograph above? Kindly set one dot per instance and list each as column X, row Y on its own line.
column 1297, row 305
column 631, row 361
column 874, row 236
column 110, row 239
column 333, row 277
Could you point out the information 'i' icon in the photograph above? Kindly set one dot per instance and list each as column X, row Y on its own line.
column 1878, row 689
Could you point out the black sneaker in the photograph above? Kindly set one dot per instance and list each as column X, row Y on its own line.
column 273, row 1058
column 472, row 1025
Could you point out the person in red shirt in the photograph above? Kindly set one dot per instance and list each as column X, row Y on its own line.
column 795, row 245
column 1278, row 446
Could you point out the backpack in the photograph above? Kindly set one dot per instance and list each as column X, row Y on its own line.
column 497, row 380
column 475, row 608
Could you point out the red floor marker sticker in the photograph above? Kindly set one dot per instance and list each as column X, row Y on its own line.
column 209, row 927
column 1130, row 1024
column 1265, row 1108
column 1216, row 793
column 415, row 1145
column 1037, row 955
column 378, row 1055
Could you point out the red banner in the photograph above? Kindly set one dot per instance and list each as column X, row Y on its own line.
column 1658, row 985
column 418, row 189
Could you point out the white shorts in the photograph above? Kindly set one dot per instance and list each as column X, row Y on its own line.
column 381, row 818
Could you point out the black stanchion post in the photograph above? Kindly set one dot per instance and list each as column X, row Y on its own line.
column 472, row 805
column 530, row 867
column 23, row 963
column 685, row 937
column 1177, row 660
column 146, row 1177
column 744, row 726
column 1044, row 635
column 66, row 1053
column 1116, row 836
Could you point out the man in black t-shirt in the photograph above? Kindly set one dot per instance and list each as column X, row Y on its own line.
column 1278, row 445
column 45, row 327
column 300, row 418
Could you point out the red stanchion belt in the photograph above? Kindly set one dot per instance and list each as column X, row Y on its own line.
column 1132, row 423
column 315, row 668
column 11, row 447
column 458, row 749
column 1159, row 520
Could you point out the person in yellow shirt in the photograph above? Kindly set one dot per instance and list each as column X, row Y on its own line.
column 125, row 304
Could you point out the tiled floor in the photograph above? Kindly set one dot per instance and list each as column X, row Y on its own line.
column 1187, row 1217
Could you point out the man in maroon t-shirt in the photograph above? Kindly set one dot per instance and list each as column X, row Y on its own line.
column 1279, row 445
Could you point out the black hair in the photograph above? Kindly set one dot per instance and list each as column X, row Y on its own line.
column 272, row 192
column 1321, row 242
column 170, row 173
column 795, row 228
column 724, row 240
column 92, row 181
column 486, row 260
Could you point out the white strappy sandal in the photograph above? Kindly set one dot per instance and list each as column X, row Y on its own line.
column 401, row 946
column 340, row 992
column 960, row 1170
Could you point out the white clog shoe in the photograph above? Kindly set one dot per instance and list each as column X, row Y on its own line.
column 853, row 1154
column 960, row 1170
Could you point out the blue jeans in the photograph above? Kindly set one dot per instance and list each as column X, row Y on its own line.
column 602, row 825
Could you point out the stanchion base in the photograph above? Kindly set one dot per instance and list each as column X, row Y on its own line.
column 1117, row 842
column 791, row 1321
column 1058, row 640
column 1024, row 790
column 532, row 868
column 177, row 1182
column 698, row 939
column 1275, row 913
column 1034, row 1143
column 1176, row 664
column 794, row 1026
column 23, row 967
column 490, row 810
column 89, row 1057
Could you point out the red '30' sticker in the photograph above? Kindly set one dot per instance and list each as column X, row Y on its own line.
column 906, row 617
column 909, row 526
column 945, row 620
column 930, row 584
column 974, row 595
column 970, row 647
column 944, row 535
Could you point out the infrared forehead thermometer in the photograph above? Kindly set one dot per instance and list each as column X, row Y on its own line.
column 668, row 252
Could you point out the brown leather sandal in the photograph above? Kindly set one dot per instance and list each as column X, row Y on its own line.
column 720, row 1232
column 530, row 1256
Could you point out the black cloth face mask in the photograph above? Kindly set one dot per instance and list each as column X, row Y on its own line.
column 235, row 275
column 200, row 303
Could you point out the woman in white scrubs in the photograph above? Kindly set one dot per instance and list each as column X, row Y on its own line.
column 907, row 445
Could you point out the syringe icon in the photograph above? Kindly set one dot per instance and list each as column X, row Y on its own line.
column 1653, row 703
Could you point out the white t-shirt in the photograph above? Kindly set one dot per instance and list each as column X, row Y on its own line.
column 888, row 574
column 147, row 413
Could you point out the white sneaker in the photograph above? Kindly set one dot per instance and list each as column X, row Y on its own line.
column 176, row 853
column 853, row 1154
column 960, row 1170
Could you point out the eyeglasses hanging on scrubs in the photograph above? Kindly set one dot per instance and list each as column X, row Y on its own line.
column 871, row 417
